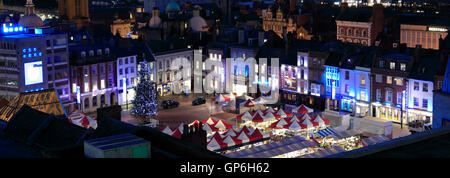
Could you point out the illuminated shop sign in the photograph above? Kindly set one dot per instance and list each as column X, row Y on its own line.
column 31, row 52
column 33, row 73
column 11, row 29
column 437, row 29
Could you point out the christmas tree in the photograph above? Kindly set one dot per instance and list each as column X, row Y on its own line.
column 145, row 103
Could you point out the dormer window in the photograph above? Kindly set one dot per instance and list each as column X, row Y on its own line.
column 99, row 52
column 91, row 53
column 83, row 54
column 107, row 51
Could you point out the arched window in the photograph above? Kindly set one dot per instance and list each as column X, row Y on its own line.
column 342, row 31
column 107, row 51
column 356, row 32
column 356, row 41
column 349, row 32
column 99, row 52
column 94, row 101
column 86, row 103
column 364, row 33
column 102, row 100
column 91, row 53
column 83, row 54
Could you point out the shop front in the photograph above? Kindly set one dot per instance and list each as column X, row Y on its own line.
column 348, row 104
column 387, row 112
column 419, row 119
column 332, row 104
column 362, row 109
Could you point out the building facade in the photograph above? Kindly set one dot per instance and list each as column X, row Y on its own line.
column 33, row 59
column 93, row 77
column 426, row 35
column 126, row 78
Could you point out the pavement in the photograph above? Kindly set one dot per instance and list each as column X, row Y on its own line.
column 186, row 113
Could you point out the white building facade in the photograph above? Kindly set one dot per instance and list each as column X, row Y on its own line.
column 126, row 78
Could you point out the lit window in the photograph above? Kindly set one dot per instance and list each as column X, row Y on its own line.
column 403, row 67
column 392, row 65
column 416, row 86
column 425, row 87
column 389, row 80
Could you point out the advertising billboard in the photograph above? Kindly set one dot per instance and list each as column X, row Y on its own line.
column 33, row 72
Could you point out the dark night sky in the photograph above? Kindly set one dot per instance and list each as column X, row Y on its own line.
column 44, row 4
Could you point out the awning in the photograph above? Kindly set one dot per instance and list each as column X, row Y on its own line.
column 283, row 150
column 266, row 147
column 326, row 132
column 324, row 153
column 374, row 140
column 345, row 134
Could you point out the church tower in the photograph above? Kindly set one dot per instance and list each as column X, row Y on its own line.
column 74, row 11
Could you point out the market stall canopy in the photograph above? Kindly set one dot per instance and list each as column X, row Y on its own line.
column 309, row 124
column 209, row 128
column 248, row 104
column 270, row 109
column 80, row 119
column 229, row 141
column 325, row 152
column 221, row 125
column 243, row 129
column 213, row 144
column 307, row 116
column 294, row 119
column 345, row 134
column 326, row 132
column 244, row 137
column 283, row 150
column 270, row 116
column 176, row 134
column 294, row 126
column 196, row 123
column 283, row 113
column 274, row 149
column 209, row 121
column 221, row 98
column 231, row 96
column 319, row 119
column 167, row 130
column 181, row 127
column 257, row 118
column 230, row 132
column 245, row 116
column 302, row 109
column 374, row 140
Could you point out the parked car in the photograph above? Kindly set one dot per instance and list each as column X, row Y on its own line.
column 166, row 104
column 198, row 101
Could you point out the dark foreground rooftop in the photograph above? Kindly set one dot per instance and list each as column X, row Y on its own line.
column 429, row 144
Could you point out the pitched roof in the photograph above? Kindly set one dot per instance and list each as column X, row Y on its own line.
column 46, row 101
column 425, row 68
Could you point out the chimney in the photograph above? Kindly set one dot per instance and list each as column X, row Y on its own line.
column 292, row 6
column 378, row 18
column 241, row 36
column 417, row 52
column 344, row 6
column 155, row 12
column 260, row 38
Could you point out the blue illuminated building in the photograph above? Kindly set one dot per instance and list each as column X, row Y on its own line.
column 35, row 59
